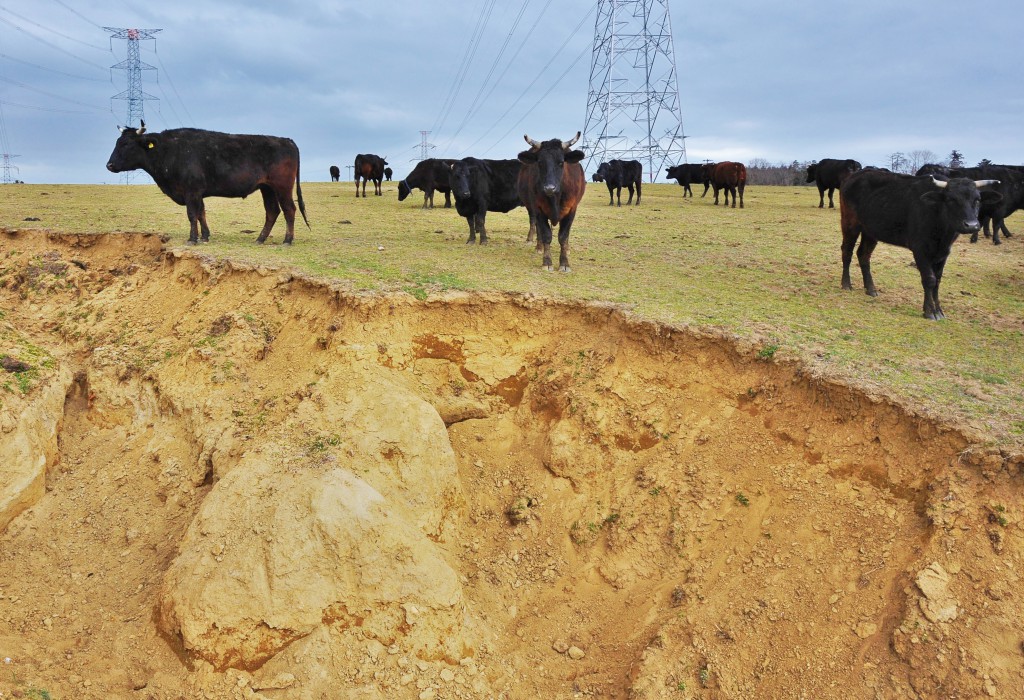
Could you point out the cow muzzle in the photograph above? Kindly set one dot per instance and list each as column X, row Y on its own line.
column 550, row 190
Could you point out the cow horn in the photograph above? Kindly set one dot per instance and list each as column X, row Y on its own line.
column 983, row 183
column 567, row 146
column 121, row 129
column 535, row 144
column 939, row 183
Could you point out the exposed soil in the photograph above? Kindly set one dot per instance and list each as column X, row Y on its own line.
column 585, row 504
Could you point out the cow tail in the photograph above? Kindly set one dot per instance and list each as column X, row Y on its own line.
column 298, row 191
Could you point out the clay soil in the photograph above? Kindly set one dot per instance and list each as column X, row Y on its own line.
column 643, row 511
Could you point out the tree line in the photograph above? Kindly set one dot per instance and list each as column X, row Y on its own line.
column 760, row 171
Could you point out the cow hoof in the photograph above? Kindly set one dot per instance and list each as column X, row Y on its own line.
column 996, row 241
column 549, row 268
column 192, row 242
column 564, row 268
column 871, row 292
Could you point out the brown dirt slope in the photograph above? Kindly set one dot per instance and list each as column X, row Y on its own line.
column 258, row 485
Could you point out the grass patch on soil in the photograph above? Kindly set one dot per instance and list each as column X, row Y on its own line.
column 768, row 273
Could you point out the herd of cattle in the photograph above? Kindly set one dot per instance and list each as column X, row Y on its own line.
column 923, row 213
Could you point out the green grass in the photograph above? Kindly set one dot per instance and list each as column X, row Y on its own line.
column 768, row 273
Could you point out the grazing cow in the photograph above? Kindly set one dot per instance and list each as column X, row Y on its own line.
column 429, row 175
column 190, row 164
column 829, row 174
column 728, row 176
column 685, row 174
column 922, row 214
column 551, row 185
column 335, row 173
column 388, row 172
column 618, row 174
column 1010, row 187
column 481, row 186
column 369, row 167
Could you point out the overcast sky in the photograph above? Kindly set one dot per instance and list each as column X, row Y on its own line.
column 779, row 81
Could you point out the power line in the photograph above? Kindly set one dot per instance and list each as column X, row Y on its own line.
column 51, row 45
column 43, row 109
column 534, row 82
column 460, row 76
column 76, row 12
column 52, row 31
column 51, row 70
column 167, row 75
column 23, row 86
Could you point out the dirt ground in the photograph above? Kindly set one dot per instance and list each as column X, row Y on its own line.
column 500, row 497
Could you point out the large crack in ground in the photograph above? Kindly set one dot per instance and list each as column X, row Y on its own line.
column 244, row 483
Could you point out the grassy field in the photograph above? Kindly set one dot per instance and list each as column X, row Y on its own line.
column 768, row 273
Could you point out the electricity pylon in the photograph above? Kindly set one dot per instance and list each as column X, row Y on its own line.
column 134, row 66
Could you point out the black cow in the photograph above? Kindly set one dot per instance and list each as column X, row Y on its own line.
column 551, row 185
column 388, row 172
column 922, row 214
column 829, row 174
column 481, row 186
column 686, row 174
column 369, row 167
column 618, row 174
column 1010, row 187
column 429, row 175
column 190, row 164
column 335, row 173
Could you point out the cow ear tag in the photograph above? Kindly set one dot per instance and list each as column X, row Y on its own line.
column 152, row 145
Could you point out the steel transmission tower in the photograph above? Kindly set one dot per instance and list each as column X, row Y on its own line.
column 5, row 169
column 424, row 145
column 134, row 67
column 633, row 110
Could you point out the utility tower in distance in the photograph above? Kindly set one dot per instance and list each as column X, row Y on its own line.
column 5, row 169
column 134, row 67
column 633, row 108
column 424, row 145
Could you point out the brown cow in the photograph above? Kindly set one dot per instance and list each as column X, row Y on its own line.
column 551, row 184
column 728, row 176
column 369, row 167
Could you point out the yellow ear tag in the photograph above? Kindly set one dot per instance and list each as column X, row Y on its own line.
column 151, row 144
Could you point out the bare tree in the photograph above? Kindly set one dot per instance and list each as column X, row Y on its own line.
column 918, row 158
column 956, row 159
column 898, row 162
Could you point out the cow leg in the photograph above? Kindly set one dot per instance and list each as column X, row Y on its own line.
column 730, row 190
column 471, row 220
column 831, row 191
column 638, row 193
column 931, row 274
column 273, row 209
column 481, row 227
column 611, row 195
column 997, row 225
column 742, row 187
column 532, row 234
column 426, row 199
column 821, row 197
column 1002, row 227
column 706, row 186
column 204, row 228
column 192, row 209
column 563, row 241
column 851, row 232
column 287, row 204
column 630, row 200
column 357, row 187
column 448, row 199
column 716, row 196
column 544, row 239
column 864, row 251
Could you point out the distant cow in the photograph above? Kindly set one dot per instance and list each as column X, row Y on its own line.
column 369, row 167
column 728, row 176
column 551, row 185
column 1010, row 187
column 429, row 175
column 481, row 186
column 335, row 173
column 618, row 174
column 829, row 174
column 190, row 164
column 686, row 174
column 922, row 214
column 388, row 172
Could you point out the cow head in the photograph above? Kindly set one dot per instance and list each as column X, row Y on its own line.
column 602, row 172
column 403, row 190
column 550, row 158
column 812, row 174
column 131, row 151
column 959, row 199
column 462, row 174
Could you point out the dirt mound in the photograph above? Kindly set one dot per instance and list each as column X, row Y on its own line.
column 222, row 481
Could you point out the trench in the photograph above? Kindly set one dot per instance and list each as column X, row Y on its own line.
column 572, row 500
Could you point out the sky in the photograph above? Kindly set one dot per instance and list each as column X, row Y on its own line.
column 757, row 80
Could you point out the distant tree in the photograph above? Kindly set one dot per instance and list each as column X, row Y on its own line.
column 956, row 159
column 919, row 158
column 984, row 162
column 760, row 171
column 898, row 162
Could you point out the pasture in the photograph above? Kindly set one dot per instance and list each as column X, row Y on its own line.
column 767, row 274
